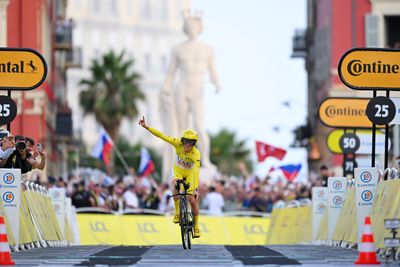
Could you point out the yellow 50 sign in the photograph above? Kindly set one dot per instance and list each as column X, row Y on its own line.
column 368, row 69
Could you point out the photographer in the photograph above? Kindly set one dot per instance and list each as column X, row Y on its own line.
column 6, row 146
column 22, row 159
column 32, row 154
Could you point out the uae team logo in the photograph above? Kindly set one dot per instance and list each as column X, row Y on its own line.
column 8, row 178
column 366, row 195
column 8, row 197
column 337, row 185
column 365, row 177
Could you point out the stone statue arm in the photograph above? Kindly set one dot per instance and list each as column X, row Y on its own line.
column 172, row 68
column 213, row 72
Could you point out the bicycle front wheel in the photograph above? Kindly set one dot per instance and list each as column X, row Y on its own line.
column 184, row 224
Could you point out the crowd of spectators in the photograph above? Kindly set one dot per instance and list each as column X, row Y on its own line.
column 226, row 194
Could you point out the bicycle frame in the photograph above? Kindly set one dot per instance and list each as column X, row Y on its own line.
column 185, row 215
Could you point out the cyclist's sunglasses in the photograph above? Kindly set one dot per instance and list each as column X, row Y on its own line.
column 188, row 141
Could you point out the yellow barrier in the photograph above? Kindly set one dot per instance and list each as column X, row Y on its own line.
column 159, row 230
column 291, row 226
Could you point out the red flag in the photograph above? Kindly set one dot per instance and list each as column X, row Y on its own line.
column 265, row 150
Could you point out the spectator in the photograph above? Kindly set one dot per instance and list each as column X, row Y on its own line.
column 82, row 198
column 6, row 146
column 257, row 201
column 214, row 201
column 131, row 200
column 323, row 175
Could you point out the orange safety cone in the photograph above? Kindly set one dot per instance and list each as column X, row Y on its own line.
column 366, row 249
column 5, row 254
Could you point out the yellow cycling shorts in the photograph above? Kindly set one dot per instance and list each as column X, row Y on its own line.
column 189, row 179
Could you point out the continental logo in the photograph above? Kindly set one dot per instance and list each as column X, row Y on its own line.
column 18, row 67
column 368, row 69
column 357, row 67
column 333, row 111
column 345, row 113
column 21, row 69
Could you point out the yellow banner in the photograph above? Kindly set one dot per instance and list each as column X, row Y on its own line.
column 366, row 69
column 159, row 230
column 21, row 69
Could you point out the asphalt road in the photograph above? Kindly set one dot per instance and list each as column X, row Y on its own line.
column 199, row 255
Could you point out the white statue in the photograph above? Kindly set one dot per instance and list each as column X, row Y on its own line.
column 183, row 103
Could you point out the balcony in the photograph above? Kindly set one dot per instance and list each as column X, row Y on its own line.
column 63, row 35
column 300, row 44
column 74, row 58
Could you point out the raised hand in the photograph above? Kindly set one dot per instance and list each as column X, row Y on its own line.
column 142, row 122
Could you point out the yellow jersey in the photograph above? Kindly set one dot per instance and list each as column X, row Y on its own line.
column 185, row 164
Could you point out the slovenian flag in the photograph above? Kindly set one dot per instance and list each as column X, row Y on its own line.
column 146, row 166
column 290, row 171
column 102, row 149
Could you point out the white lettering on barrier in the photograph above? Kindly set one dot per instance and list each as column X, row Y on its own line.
column 366, row 180
column 336, row 192
column 319, row 202
column 10, row 192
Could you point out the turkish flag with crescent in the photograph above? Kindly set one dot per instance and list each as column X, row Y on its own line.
column 265, row 150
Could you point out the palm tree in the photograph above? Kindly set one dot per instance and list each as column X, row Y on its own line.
column 229, row 154
column 112, row 91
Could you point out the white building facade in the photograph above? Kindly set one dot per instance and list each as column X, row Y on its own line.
column 147, row 30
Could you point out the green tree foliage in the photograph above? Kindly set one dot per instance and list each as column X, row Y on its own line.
column 112, row 91
column 229, row 154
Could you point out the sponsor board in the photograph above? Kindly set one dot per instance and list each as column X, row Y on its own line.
column 345, row 113
column 10, row 190
column 366, row 180
column 370, row 69
column 365, row 138
column 336, row 192
column 319, row 202
column 21, row 69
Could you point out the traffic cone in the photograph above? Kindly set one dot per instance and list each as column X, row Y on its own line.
column 366, row 249
column 5, row 254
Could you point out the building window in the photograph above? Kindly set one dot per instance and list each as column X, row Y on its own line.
column 164, row 64
column 95, row 6
column 114, row 7
column 392, row 31
column 147, row 62
column 146, row 9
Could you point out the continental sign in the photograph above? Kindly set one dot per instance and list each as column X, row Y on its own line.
column 21, row 69
column 369, row 69
column 365, row 137
column 345, row 113
column 105, row 229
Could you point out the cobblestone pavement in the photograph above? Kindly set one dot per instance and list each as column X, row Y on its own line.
column 200, row 255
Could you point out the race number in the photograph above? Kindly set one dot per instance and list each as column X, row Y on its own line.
column 381, row 110
column 8, row 110
column 349, row 143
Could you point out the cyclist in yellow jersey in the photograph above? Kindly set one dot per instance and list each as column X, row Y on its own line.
column 186, row 164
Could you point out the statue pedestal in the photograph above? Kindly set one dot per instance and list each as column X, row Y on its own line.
column 207, row 175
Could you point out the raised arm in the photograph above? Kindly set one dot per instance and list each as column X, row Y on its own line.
column 213, row 72
column 173, row 141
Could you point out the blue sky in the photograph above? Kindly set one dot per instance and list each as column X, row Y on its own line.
column 252, row 41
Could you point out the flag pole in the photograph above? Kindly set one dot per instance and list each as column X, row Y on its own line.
column 119, row 154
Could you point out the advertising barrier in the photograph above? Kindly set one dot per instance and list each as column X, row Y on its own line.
column 112, row 229
column 337, row 189
column 319, row 202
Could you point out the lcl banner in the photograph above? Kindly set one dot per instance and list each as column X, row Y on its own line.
column 10, row 191
column 319, row 203
column 336, row 189
column 366, row 181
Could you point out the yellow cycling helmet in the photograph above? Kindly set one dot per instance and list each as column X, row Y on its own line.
column 189, row 134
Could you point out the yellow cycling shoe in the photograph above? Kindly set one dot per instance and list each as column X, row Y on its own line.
column 196, row 232
column 176, row 218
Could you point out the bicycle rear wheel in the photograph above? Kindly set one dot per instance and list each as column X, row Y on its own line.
column 184, row 223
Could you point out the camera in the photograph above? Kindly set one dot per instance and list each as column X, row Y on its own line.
column 21, row 146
